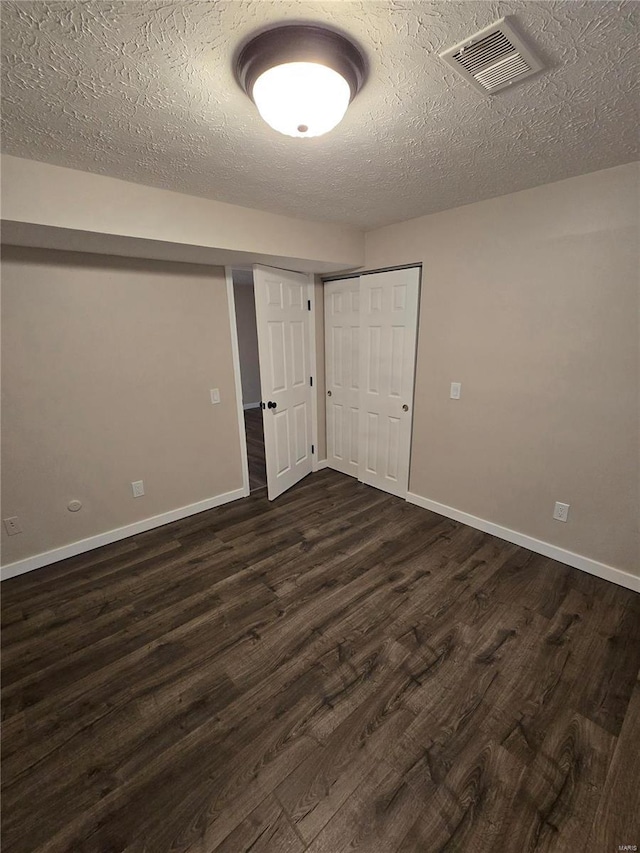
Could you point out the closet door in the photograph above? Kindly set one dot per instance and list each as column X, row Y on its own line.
column 388, row 333
column 342, row 344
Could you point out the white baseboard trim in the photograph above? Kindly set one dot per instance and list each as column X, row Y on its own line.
column 82, row 545
column 246, row 406
column 320, row 464
column 577, row 561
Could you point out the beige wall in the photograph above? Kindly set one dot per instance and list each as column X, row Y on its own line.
column 54, row 207
column 531, row 301
column 247, row 342
column 107, row 367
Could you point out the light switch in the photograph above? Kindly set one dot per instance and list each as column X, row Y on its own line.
column 456, row 388
column 215, row 395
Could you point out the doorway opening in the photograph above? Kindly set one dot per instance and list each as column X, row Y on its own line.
column 271, row 312
column 245, row 307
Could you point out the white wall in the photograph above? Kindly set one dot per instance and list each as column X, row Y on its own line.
column 531, row 300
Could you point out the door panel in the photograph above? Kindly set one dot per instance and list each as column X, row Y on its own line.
column 283, row 342
column 388, row 324
column 342, row 337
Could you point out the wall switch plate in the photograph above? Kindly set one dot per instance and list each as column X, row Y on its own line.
column 12, row 525
column 456, row 389
column 215, row 395
column 561, row 511
column 138, row 488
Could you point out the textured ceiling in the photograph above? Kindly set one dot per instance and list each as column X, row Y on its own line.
column 144, row 91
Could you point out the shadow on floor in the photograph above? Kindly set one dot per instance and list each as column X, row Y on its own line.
column 255, row 449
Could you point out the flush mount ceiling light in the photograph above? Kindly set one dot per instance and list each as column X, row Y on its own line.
column 301, row 78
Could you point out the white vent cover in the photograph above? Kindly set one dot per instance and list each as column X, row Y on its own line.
column 493, row 59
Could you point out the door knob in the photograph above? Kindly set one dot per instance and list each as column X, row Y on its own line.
column 405, row 408
column 271, row 404
column 328, row 393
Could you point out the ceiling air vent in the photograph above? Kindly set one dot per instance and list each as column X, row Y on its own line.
column 493, row 59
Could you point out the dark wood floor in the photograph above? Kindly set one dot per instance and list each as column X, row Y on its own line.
column 336, row 671
column 255, row 449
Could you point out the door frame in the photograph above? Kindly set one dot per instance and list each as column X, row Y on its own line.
column 312, row 355
column 235, row 352
column 313, row 367
column 340, row 276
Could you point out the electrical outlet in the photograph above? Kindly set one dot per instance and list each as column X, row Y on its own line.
column 456, row 389
column 138, row 488
column 12, row 525
column 215, row 395
column 561, row 511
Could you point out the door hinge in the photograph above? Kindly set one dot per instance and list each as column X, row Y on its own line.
column 308, row 305
column 313, row 448
column 311, row 381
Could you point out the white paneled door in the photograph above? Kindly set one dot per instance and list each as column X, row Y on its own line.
column 342, row 336
column 282, row 318
column 388, row 333
column 371, row 327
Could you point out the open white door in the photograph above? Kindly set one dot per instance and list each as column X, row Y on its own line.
column 342, row 336
column 388, row 332
column 282, row 318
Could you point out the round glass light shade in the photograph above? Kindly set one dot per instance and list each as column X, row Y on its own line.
column 301, row 98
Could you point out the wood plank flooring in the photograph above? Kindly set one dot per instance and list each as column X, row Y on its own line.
column 255, row 449
column 336, row 671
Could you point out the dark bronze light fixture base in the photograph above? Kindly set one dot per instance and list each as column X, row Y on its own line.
column 300, row 43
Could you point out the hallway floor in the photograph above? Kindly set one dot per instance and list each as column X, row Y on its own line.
column 255, row 449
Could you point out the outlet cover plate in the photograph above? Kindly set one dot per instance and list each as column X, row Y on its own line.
column 561, row 511
column 12, row 525
column 138, row 488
